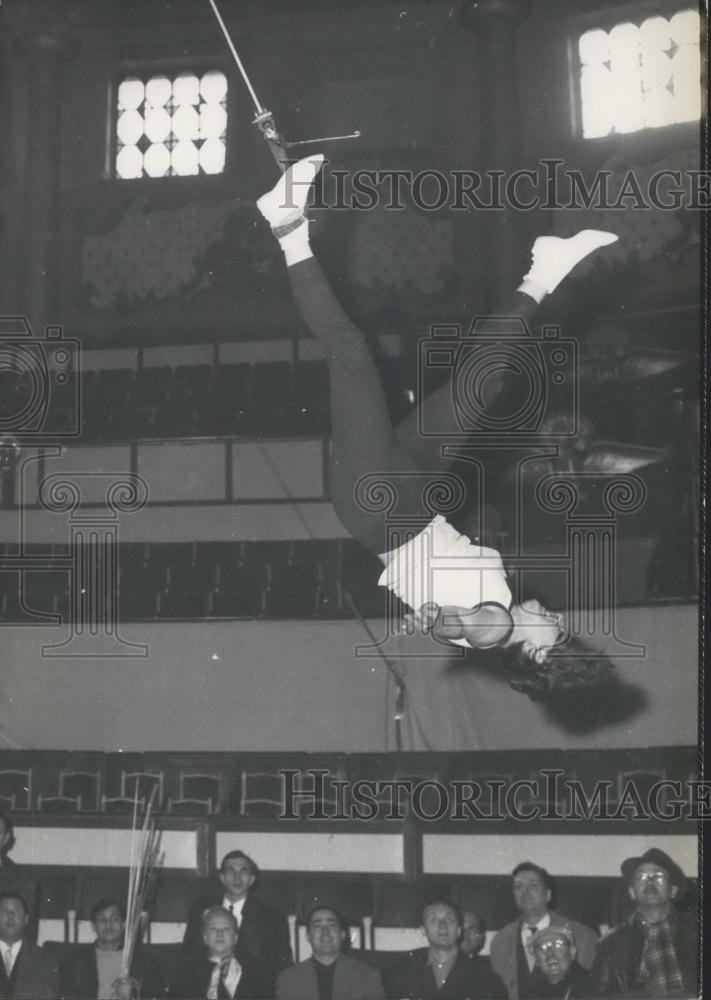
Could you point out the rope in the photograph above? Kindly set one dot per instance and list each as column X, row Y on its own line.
column 264, row 120
column 260, row 109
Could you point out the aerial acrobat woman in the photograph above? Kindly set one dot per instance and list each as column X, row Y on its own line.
column 456, row 590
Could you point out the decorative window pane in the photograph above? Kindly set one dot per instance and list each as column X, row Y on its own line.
column 639, row 76
column 171, row 127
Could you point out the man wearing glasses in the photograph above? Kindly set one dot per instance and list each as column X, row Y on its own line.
column 655, row 952
column 511, row 959
column 560, row 975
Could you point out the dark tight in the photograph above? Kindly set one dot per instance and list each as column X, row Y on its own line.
column 364, row 440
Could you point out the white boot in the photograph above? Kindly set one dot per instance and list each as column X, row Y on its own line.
column 286, row 201
column 283, row 208
column 554, row 257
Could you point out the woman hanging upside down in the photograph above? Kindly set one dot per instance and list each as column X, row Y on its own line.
column 457, row 590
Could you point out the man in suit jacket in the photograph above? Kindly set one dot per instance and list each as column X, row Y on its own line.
column 219, row 974
column 510, row 957
column 328, row 974
column 263, row 933
column 16, row 880
column 26, row 971
column 442, row 969
column 94, row 971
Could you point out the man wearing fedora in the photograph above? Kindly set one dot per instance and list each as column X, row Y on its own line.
column 654, row 953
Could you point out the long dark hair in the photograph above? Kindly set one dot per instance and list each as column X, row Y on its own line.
column 572, row 667
column 577, row 687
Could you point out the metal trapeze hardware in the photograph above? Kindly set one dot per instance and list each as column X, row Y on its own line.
column 265, row 121
column 263, row 118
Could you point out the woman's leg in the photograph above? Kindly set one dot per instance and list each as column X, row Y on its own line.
column 363, row 438
column 364, row 441
column 553, row 259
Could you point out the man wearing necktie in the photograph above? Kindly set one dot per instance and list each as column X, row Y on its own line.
column 263, row 933
column 26, row 971
column 220, row 974
column 511, row 957
column 15, row 879
column 655, row 952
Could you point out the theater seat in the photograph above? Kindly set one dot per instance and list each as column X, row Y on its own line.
column 239, row 582
column 187, row 408
column 51, row 937
column 110, row 405
column 292, row 579
column 309, row 403
column 16, row 789
column 190, row 807
column 268, row 399
column 165, row 932
column 359, row 575
column 59, row 804
column 120, row 805
column 187, row 601
column 380, row 960
column 227, row 406
column 398, row 938
column 303, row 948
column 153, row 389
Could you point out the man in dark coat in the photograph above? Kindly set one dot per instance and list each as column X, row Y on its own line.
column 26, row 971
column 329, row 974
column 655, row 952
column 559, row 975
column 16, row 880
column 442, row 970
column 263, row 933
column 220, row 973
column 94, row 971
column 473, row 933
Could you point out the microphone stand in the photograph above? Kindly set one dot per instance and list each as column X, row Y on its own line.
column 400, row 687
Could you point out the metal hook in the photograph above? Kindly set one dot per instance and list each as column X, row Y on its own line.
column 325, row 138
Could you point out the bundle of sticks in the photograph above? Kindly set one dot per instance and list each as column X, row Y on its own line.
column 144, row 862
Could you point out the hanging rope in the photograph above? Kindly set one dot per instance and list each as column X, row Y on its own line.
column 264, row 119
column 278, row 146
column 257, row 103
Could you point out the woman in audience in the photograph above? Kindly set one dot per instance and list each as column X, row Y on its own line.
column 456, row 590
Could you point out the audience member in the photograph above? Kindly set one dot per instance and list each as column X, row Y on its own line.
column 329, row 974
column 219, row 974
column 26, row 971
column 94, row 970
column 561, row 977
column 510, row 958
column 263, row 933
column 473, row 933
column 655, row 952
column 442, row 969
column 14, row 880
